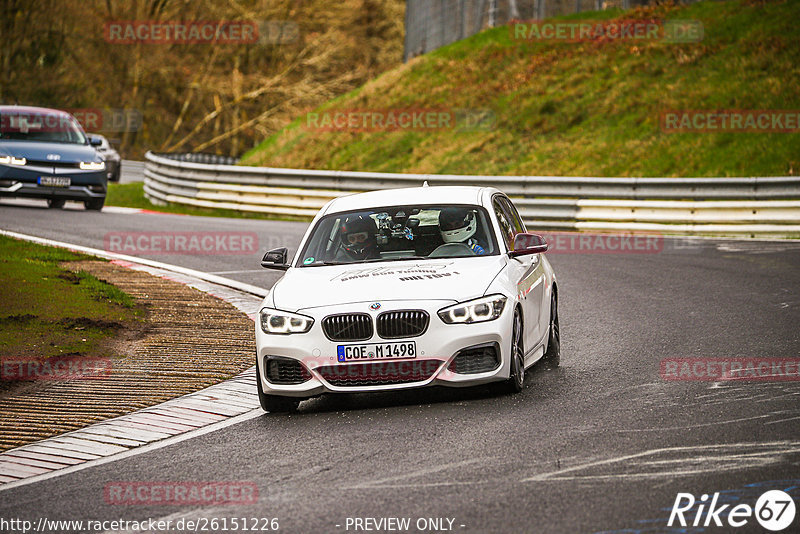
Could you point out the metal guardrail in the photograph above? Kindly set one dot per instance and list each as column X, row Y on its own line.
column 763, row 206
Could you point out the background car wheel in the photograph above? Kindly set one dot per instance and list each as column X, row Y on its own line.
column 95, row 204
column 56, row 203
column 552, row 358
column 274, row 403
column 516, row 380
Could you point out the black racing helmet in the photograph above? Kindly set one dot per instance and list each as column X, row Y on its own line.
column 358, row 235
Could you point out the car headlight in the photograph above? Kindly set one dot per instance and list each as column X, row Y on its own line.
column 93, row 165
column 474, row 311
column 11, row 160
column 281, row 322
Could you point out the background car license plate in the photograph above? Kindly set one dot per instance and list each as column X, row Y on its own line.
column 376, row 351
column 54, row 181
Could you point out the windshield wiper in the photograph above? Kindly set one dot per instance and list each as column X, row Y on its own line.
column 403, row 258
column 359, row 262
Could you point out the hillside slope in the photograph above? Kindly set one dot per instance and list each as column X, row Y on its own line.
column 577, row 108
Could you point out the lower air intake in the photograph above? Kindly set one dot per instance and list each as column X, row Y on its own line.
column 379, row 373
column 285, row 371
column 480, row 359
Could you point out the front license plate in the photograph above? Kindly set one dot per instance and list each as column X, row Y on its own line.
column 376, row 351
column 54, row 181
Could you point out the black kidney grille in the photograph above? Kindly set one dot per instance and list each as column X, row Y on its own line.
column 379, row 373
column 286, row 371
column 399, row 324
column 348, row 327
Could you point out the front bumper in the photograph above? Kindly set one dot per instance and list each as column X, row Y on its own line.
column 23, row 182
column 436, row 349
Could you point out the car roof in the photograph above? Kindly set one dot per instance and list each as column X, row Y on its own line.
column 447, row 194
column 33, row 109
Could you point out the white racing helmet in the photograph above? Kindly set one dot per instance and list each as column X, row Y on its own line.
column 457, row 224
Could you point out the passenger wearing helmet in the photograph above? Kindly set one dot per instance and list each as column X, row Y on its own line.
column 358, row 238
column 458, row 225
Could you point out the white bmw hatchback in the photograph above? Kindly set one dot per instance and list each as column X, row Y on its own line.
column 406, row 288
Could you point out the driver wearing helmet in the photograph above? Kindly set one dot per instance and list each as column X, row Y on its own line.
column 358, row 238
column 458, row 225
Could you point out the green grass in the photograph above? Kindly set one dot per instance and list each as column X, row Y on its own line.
column 49, row 310
column 578, row 109
column 132, row 196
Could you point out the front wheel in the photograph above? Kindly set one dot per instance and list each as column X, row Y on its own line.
column 516, row 379
column 95, row 204
column 274, row 403
column 552, row 358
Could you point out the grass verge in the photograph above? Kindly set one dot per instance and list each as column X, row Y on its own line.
column 49, row 310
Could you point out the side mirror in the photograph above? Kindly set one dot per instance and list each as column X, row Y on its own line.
column 276, row 259
column 95, row 141
column 528, row 243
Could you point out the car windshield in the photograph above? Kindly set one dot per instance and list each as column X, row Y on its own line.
column 399, row 233
column 40, row 126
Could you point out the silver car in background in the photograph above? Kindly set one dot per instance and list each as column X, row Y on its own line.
column 112, row 157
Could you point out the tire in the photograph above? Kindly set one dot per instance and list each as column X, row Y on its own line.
column 274, row 403
column 516, row 379
column 56, row 203
column 552, row 358
column 115, row 176
column 95, row 204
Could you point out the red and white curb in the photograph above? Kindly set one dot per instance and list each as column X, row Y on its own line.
column 182, row 418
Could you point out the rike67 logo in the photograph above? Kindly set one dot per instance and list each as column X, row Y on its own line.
column 774, row 511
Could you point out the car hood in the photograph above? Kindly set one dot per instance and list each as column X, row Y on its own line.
column 38, row 150
column 453, row 279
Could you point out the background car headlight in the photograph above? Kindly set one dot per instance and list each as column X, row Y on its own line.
column 281, row 322
column 474, row 311
column 93, row 165
column 11, row 160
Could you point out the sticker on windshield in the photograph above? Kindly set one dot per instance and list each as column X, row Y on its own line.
column 308, row 261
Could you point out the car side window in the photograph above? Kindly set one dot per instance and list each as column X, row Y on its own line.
column 513, row 215
column 505, row 224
